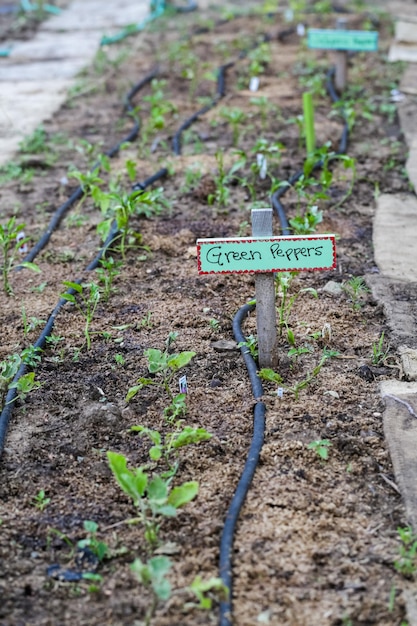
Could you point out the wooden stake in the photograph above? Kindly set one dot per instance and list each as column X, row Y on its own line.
column 341, row 62
column 266, row 316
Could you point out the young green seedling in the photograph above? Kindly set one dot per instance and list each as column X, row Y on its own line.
column 153, row 496
column 163, row 366
column 235, row 117
column 153, row 574
column 89, row 294
column 406, row 564
column 379, row 353
column 321, row 448
column 40, row 501
column 12, row 241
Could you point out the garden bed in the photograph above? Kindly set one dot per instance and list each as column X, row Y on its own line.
column 317, row 538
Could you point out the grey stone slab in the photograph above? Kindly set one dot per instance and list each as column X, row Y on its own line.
column 23, row 106
column 54, row 46
column 407, row 112
column 394, row 236
column 39, row 71
column 408, row 83
column 403, row 52
column 411, row 164
column 409, row 361
column 406, row 32
column 400, row 428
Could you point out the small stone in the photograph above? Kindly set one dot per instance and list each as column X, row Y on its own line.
column 331, row 393
column 333, row 288
column 223, row 345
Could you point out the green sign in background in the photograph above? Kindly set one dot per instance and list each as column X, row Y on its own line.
column 356, row 40
column 269, row 254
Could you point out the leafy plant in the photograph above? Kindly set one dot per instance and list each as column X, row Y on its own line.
column 176, row 409
column 283, row 283
column 406, row 564
column 379, row 353
column 34, row 143
column 153, row 496
column 163, row 366
column 89, row 294
column 40, row 501
column 252, row 344
column 167, row 446
column 30, row 323
column 307, row 223
column 321, row 448
column 98, row 548
column 201, row 588
column 236, row 118
column 108, row 270
column 153, row 574
column 12, row 240
column 356, row 289
column 222, row 179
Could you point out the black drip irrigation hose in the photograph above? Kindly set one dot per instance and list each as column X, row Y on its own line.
column 226, row 541
column 79, row 192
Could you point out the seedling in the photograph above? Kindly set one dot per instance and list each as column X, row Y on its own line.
column 25, row 385
column 31, row 323
column 356, row 289
column 177, row 409
column 152, row 574
column 40, row 501
column 321, row 448
column 11, row 242
column 214, row 325
column 35, row 143
column 306, row 224
column 201, row 589
column 379, row 354
column 165, row 447
column 222, row 179
column 252, row 344
column 153, row 496
column 108, row 270
column 283, row 282
column 235, row 117
column 406, row 564
column 146, row 321
column 31, row 356
column 265, row 107
column 98, row 548
column 163, row 366
column 89, row 294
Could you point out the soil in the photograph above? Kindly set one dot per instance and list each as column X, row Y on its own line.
column 316, row 539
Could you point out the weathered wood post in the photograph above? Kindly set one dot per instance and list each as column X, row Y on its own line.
column 341, row 61
column 266, row 316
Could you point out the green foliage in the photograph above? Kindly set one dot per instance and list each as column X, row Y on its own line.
column 89, row 294
column 283, row 283
column 222, row 179
column 35, row 143
column 31, row 323
column 236, row 118
column 152, row 495
column 163, row 366
column 356, row 289
column 11, row 242
column 108, row 270
column 307, row 223
column 379, row 353
column 201, row 588
column 252, row 344
column 40, row 501
column 406, row 564
column 268, row 374
column 97, row 547
column 153, row 575
column 167, row 446
column 321, row 448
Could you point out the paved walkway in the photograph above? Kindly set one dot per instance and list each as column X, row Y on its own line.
column 36, row 77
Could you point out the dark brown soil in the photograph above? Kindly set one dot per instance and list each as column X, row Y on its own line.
column 317, row 539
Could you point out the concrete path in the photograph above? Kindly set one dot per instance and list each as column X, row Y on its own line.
column 36, row 77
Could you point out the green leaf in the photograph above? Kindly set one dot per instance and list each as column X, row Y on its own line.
column 155, row 453
column 157, row 360
column 132, row 483
column 176, row 361
column 189, row 435
column 69, row 297
column 71, row 285
column 30, row 266
column 90, row 526
column 183, row 494
column 268, row 374
column 157, row 490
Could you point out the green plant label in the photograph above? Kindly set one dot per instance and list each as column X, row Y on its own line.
column 358, row 40
column 266, row 254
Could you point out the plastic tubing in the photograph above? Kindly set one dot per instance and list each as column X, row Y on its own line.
column 226, row 541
